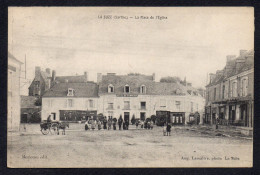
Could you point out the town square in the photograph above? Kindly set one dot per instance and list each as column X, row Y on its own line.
column 101, row 87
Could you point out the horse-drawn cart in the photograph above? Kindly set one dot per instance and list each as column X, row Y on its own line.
column 53, row 127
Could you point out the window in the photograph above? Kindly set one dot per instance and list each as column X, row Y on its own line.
column 143, row 105
column 244, row 85
column 143, row 89
column 162, row 103
column 223, row 91
column 234, row 89
column 178, row 105
column 37, row 84
column 110, row 88
column 173, row 119
column 191, row 106
column 127, row 89
column 110, row 106
column 91, row 103
column 215, row 93
column 126, row 104
column 70, row 92
column 70, row 102
column 110, row 114
column 180, row 119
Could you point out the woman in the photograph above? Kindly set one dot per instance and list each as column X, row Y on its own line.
column 99, row 125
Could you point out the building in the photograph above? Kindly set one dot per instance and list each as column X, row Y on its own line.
column 70, row 101
column 126, row 95
column 230, row 92
column 44, row 80
column 140, row 96
column 30, row 110
column 14, row 73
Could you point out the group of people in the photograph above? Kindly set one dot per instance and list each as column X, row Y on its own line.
column 108, row 124
column 144, row 124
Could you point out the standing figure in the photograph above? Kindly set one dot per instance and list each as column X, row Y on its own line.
column 93, row 124
column 105, row 123
column 114, row 124
column 109, row 123
column 120, row 121
column 99, row 124
column 169, row 129
column 142, row 124
column 127, row 124
column 151, row 124
column 136, row 124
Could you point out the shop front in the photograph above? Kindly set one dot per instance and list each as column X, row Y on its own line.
column 177, row 118
column 77, row 115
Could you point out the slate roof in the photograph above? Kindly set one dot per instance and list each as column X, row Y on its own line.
column 80, row 90
column 135, row 82
column 71, row 79
column 232, row 66
column 28, row 102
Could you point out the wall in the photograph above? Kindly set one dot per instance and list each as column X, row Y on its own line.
column 13, row 96
column 54, row 104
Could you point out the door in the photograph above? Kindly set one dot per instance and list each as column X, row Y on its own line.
column 53, row 116
column 126, row 116
column 142, row 115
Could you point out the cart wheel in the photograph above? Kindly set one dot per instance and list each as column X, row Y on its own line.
column 45, row 131
column 54, row 128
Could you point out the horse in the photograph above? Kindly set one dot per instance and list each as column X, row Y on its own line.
column 63, row 126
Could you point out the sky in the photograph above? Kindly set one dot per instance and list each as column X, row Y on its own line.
column 191, row 42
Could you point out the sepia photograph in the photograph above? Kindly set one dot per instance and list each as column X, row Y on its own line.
column 127, row 87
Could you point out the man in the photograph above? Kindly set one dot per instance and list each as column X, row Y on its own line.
column 120, row 121
column 168, row 129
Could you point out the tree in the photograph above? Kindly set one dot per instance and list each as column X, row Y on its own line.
column 133, row 119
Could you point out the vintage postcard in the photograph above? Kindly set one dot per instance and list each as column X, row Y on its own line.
column 130, row 87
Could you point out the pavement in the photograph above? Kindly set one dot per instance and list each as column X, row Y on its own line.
column 196, row 146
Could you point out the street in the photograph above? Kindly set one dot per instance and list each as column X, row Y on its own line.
column 186, row 147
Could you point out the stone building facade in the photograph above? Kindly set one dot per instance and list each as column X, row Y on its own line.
column 13, row 99
column 126, row 95
column 230, row 92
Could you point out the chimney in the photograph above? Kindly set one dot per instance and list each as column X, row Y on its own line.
column 37, row 71
column 86, row 76
column 230, row 58
column 99, row 77
column 153, row 76
column 242, row 53
column 239, row 63
column 53, row 75
column 211, row 77
column 48, row 71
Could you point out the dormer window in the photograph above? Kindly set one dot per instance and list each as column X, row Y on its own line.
column 143, row 89
column 127, row 88
column 70, row 92
column 110, row 88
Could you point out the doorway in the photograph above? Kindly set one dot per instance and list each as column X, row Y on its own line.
column 126, row 116
column 53, row 116
column 142, row 116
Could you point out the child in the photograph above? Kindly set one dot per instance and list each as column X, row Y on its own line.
column 142, row 124
column 99, row 125
column 169, row 129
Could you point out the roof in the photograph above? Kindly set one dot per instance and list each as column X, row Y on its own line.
column 80, row 90
column 71, row 79
column 28, row 101
column 135, row 82
column 15, row 59
column 232, row 68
